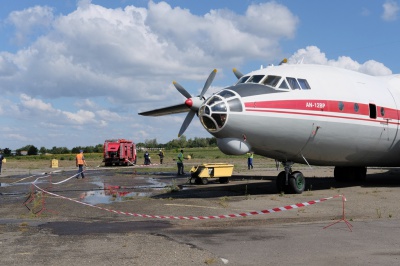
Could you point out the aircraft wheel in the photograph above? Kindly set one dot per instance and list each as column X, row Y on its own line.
column 297, row 182
column 280, row 182
column 339, row 174
column 360, row 173
column 204, row 181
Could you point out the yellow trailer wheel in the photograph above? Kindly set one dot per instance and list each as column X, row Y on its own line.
column 204, row 181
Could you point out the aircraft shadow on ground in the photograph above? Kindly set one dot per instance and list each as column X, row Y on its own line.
column 254, row 185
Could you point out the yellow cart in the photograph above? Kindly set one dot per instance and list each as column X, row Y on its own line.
column 201, row 173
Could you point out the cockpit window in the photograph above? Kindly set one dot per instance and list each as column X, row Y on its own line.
column 293, row 83
column 304, row 84
column 284, row 85
column 243, row 79
column 226, row 94
column 220, row 107
column 272, row 81
column 255, row 78
column 214, row 100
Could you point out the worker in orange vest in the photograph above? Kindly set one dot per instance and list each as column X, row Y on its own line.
column 80, row 162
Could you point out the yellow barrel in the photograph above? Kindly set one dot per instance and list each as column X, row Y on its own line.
column 54, row 163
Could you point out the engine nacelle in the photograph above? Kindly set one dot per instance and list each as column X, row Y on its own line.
column 233, row 146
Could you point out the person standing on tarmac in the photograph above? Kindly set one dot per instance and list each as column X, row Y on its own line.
column 80, row 162
column 1, row 160
column 146, row 158
column 179, row 163
column 161, row 154
column 250, row 156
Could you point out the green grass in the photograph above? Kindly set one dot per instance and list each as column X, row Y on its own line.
column 198, row 156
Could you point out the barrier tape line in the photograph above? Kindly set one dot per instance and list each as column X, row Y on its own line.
column 235, row 215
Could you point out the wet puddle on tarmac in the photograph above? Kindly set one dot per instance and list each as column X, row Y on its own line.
column 108, row 193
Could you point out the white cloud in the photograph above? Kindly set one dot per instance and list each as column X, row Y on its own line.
column 108, row 115
column 35, row 104
column 313, row 55
column 128, row 54
column 29, row 21
column 17, row 137
column 81, row 117
column 390, row 10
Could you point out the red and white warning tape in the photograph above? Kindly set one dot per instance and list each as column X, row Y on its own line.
column 244, row 214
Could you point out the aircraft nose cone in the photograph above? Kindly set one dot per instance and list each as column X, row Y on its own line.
column 189, row 102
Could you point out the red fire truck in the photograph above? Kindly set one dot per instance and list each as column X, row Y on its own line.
column 119, row 152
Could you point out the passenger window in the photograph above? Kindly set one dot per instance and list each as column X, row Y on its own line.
column 293, row 83
column 243, row 79
column 284, row 85
column 272, row 81
column 255, row 78
column 304, row 84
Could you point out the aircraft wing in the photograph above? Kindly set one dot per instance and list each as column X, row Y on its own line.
column 174, row 109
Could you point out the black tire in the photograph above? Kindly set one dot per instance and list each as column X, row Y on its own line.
column 360, row 174
column 204, row 181
column 339, row 174
column 297, row 182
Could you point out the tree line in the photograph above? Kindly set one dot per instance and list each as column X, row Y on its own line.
column 181, row 142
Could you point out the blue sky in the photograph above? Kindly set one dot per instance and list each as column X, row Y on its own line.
column 74, row 73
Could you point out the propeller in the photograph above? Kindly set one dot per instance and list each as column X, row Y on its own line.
column 193, row 103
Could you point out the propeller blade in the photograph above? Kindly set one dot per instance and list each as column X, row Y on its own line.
column 186, row 123
column 237, row 73
column 174, row 109
column 208, row 82
column 182, row 90
column 284, row 61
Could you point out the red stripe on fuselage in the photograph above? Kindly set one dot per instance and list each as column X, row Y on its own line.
column 322, row 106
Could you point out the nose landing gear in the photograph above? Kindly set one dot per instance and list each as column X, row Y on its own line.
column 290, row 182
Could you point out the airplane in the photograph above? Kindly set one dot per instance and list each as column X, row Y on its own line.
column 302, row 113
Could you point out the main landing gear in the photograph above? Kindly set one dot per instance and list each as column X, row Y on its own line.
column 290, row 182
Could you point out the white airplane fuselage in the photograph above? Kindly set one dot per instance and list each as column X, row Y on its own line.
column 342, row 118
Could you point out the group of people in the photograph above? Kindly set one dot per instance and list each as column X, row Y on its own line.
column 147, row 159
column 179, row 161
